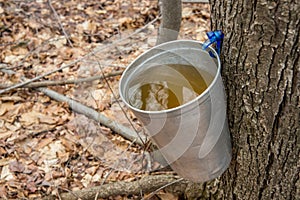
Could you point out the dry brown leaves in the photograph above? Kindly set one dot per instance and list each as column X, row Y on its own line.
column 45, row 148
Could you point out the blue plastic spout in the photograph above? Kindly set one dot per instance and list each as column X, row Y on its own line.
column 214, row 37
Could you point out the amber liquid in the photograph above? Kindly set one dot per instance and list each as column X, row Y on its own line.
column 167, row 86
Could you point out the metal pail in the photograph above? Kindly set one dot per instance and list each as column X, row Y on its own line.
column 194, row 137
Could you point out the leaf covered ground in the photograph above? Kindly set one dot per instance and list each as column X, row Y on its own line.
column 45, row 147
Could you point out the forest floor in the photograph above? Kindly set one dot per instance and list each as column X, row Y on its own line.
column 45, row 147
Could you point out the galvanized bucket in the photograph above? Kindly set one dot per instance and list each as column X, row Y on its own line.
column 194, row 137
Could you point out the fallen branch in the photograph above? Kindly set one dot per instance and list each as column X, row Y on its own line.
column 18, row 85
column 93, row 114
column 145, row 185
column 64, row 82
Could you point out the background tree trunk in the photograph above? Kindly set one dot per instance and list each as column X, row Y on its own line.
column 171, row 20
column 260, row 58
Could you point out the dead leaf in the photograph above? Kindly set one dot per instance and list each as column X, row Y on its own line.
column 3, row 192
column 11, row 59
column 16, row 166
column 5, row 135
column 167, row 196
column 49, row 153
column 34, row 24
column 10, row 111
column 2, row 151
column 20, row 50
column 29, row 118
column 6, row 161
column 92, row 170
column 6, row 173
column 35, row 117
column 13, row 98
column 96, row 177
column 13, row 127
column 44, row 99
column 187, row 11
column 70, row 145
column 63, row 156
column 2, row 110
column 31, row 186
column 4, row 107
column 47, row 119
column 44, row 142
column 86, row 180
column 90, row 11
column 58, row 42
column 89, row 26
column 101, row 12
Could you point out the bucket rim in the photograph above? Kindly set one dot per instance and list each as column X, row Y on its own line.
column 205, row 92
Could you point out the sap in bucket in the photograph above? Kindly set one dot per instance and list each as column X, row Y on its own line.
column 175, row 89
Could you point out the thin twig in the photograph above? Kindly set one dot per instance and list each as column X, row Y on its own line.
column 60, row 24
column 111, row 90
column 18, row 85
column 96, row 50
column 64, row 82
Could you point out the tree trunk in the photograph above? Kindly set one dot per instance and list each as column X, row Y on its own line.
column 260, row 60
column 171, row 20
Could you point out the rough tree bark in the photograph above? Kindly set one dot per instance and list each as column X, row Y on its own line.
column 260, row 60
column 261, row 66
